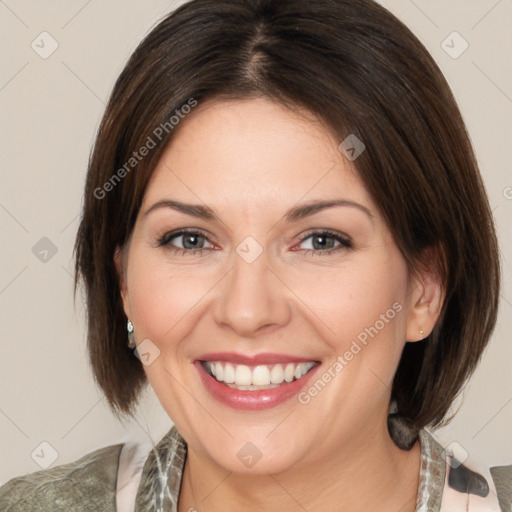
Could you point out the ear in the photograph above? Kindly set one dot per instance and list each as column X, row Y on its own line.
column 121, row 274
column 425, row 303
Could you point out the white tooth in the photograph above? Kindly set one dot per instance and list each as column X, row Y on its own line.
column 307, row 367
column 219, row 372
column 261, row 376
column 288, row 372
column 277, row 374
column 243, row 375
column 229, row 373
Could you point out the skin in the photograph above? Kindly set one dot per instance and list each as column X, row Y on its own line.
column 251, row 161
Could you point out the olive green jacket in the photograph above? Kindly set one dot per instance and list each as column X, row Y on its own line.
column 90, row 483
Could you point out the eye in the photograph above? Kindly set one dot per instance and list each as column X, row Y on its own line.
column 190, row 241
column 325, row 242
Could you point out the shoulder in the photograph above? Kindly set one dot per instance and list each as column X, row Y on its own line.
column 450, row 484
column 502, row 476
column 88, row 483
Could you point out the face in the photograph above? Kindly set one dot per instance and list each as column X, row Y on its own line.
column 301, row 312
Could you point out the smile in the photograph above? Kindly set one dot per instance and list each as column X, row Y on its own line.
column 254, row 382
column 253, row 378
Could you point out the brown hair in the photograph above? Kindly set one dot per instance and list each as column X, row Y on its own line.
column 362, row 72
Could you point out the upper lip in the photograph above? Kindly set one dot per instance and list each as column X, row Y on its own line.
column 254, row 359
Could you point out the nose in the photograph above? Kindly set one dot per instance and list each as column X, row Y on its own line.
column 253, row 299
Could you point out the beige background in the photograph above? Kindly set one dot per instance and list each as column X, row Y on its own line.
column 50, row 111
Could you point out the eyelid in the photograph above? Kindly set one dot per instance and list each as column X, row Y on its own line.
column 344, row 240
column 325, row 231
column 167, row 236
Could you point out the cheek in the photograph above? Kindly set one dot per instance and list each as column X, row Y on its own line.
column 361, row 314
column 348, row 301
column 161, row 296
column 372, row 324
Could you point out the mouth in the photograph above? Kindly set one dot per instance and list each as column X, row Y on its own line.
column 255, row 378
column 254, row 382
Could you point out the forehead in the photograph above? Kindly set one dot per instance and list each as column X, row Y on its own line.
column 253, row 153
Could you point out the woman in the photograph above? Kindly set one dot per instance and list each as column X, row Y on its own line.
column 284, row 214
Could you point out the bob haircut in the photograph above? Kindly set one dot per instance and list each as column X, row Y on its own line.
column 360, row 71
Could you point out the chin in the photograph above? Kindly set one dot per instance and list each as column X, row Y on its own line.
column 257, row 454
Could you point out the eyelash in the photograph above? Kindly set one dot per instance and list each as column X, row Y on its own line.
column 345, row 242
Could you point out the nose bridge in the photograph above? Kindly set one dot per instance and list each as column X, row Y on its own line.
column 252, row 297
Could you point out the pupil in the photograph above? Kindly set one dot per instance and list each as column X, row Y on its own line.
column 187, row 238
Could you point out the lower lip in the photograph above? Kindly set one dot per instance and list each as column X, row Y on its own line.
column 252, row 400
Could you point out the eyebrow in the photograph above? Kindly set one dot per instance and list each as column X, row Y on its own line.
column 294, row 214
column 304, row 210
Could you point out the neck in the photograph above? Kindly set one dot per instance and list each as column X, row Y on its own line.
column 358, row 477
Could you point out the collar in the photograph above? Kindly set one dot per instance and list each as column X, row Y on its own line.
column 161, row 477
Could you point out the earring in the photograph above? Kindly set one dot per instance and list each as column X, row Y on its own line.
column 131, row 336
column 421, row 331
